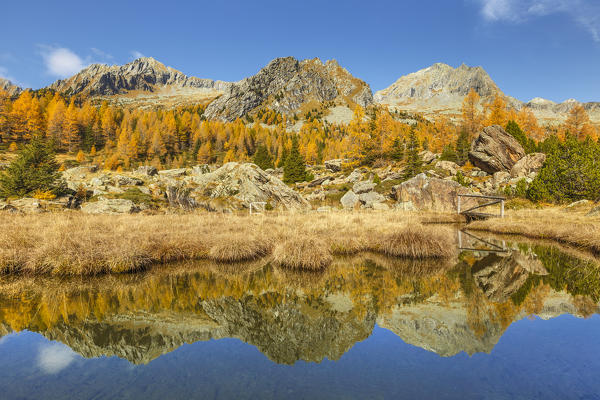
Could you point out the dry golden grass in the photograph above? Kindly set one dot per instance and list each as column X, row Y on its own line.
column 305, row 252
column 570, row 228
column 78, row 244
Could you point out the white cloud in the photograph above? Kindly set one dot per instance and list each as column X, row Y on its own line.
column 61, row 61
column 102, row 55
column 136, row 54
column 585, row 13
column 55, row 357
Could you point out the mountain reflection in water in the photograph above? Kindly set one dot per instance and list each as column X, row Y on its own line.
column 446, row 308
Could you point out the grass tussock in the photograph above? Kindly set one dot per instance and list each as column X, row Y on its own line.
column 302, row 253
column 77, row 244
column 418, row 242
column 238, row 248
column 573, row 229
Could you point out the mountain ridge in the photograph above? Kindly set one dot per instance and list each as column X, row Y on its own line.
column 287, row 84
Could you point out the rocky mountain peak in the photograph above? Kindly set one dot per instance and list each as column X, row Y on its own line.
column 439, row 80
column 9, row 87
column 143, row 74
column 287, row 84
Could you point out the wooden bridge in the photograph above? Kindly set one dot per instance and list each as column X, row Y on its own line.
column 472, row 213
column 464, row 245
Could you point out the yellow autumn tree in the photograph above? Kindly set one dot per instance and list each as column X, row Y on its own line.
column 496, row 113
column 70, row 138
column 578, row 123
column 471, row 117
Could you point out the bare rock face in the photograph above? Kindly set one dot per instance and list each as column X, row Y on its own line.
column 236, row 185
column 495, row 150
column 531, row 163
column 426, row 193
column 110, row 206
column 501, row 276
column 286, row 84
column 143, row 75
column 9, row 87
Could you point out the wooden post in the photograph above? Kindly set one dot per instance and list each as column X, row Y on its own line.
column 458, row 203
column 502, row 209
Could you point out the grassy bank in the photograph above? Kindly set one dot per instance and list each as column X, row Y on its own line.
column 570, row 228
column 77, row 244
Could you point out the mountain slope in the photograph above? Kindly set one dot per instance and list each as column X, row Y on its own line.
column 9, row 87
column 287, row 85
column 440, row 89
column 143, row 80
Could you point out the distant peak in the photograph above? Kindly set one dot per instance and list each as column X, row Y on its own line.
column 540, row 100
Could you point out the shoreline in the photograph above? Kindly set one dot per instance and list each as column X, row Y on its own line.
column 83, row 245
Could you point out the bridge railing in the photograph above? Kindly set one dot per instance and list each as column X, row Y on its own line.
column 472, row 213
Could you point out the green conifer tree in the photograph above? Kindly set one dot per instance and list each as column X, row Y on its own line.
column 294, row 169
column 463, row 146
column 571, row 172
column 515, row 131
column 35, row 168
column 413, row 159
column 263, row 158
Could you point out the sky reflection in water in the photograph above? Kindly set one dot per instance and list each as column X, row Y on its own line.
column 368, row 328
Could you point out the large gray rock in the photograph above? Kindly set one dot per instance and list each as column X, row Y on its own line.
column 495, row 150
column 27, row 205
column 349, row 200
column 531, row 163
column 370, row 198
column 363, row 187
column 110, row 206
column 449, row 166
column 122, row 180
column 235, row 186
column 426, row 193
column 427, row 156
column 334, row 165
column 147, row 170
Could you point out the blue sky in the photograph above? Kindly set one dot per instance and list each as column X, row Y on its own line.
column 531, row 48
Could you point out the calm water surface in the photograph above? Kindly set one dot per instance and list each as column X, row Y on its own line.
column 520, row 324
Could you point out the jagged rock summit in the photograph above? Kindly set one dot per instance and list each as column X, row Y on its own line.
column 144, row 75
column 286, row 85
column 9, row 87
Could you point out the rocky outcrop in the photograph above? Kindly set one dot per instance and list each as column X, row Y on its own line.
column 110, row 206
column 144, row 74
column 495, row 150
column 427, row 193
column 286, row 84
column 9, row 87
column 236, row 185
column 530, row 164
column 143, row 82
column 334, row 165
